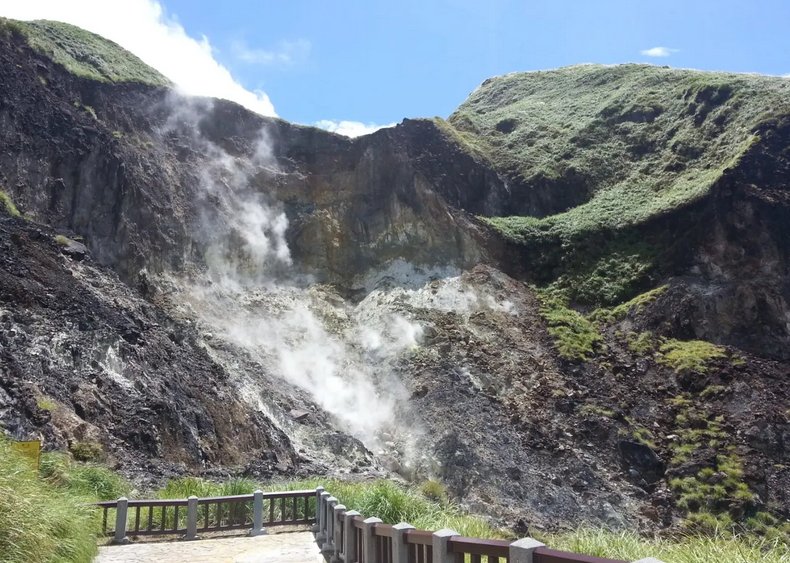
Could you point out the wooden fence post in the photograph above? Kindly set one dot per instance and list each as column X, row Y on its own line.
column 120, row 521
column 350, row 554
column 400, row 551
column 369, row 541
column 257, row 515
column 441, row 551
column 523, row 550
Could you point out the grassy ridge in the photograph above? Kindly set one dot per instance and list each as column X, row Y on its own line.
column 629, row 141
column 84, row 53
column 592, row 153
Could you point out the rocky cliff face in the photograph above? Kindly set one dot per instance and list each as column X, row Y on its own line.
column 250, row 295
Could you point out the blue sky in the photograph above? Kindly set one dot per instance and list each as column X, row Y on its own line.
column 382, row 61
column 376, row 62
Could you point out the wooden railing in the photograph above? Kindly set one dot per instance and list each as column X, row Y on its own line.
column 187, row 517
column 345, row 537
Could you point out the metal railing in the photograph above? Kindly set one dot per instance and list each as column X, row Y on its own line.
column 344, row 536
column 187, row 517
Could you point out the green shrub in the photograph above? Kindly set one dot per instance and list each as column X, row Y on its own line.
column 692, row 355
column 87, row 451
column 574, row 336
column 433, row 490
column 39, row 521
column 8, row 204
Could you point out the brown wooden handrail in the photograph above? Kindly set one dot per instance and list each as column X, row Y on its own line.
column 475, row 546
column 544, row 555
column 382, row 530
column 419, row 537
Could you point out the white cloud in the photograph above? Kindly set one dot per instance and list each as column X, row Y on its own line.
column 143, row 27
column 659, row 52
column 350, row 128
column 289, row 53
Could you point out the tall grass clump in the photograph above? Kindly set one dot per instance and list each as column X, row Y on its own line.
column 629, row 546
column 40, row 521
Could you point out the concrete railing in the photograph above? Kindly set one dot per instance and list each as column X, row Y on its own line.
column 346, row 536
column 187, row 517
column 343, row 536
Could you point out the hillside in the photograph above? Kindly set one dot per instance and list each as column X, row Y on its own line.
column 83, row 53
column 566, row 302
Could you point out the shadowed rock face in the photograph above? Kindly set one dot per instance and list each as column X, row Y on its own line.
column 106, row 343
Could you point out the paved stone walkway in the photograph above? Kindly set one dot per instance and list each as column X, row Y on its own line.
column 292, row 547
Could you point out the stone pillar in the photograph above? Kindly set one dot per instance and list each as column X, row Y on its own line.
column 522, row 551
column 192, row 518
column 349, row 537
column 317, row 525
column 322, row 524
column 120, row 521
column 328, row 549
column 400, row 551
column 369, row 541
column 257, row 515
column 441, row 551
column 337, row 531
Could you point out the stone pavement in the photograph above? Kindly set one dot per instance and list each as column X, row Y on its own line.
column 290, row 547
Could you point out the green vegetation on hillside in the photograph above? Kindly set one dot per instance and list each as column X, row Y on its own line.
column 8, row 204
column 84, row 53
column 575, row 337
column 44, row 516
column 617, row 144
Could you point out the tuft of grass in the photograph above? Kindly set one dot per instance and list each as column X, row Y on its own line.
column 641, row 343
column 635, row 305
column 62, row 240
column 575, row 337
column 87, row 451
column 721, row 547
column 433, row 490
column 590, row 410
column 8, row 204
column 85, row 480
column 86, row 54
column 692, row 355
column 40, row 520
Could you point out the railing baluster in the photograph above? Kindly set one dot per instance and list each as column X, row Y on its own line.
column 205, row 512
column 271, row 510
column 296, row 510
column 475, row 558
column 162, row 527
column 150, row 518
column 137, row 519
column 175, row 520
column 104, row 521
column 219, row 515
column 282, row 510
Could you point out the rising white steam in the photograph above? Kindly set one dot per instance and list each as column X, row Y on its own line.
column 249, row 296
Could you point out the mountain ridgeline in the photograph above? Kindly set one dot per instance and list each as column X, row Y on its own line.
column 567, row 301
